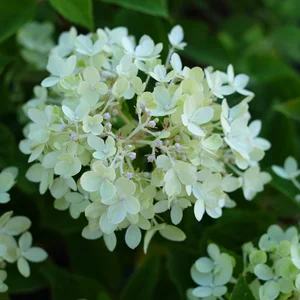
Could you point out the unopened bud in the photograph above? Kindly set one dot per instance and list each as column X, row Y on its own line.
column 132, row 155
column 129, row 175
column 151, row 158
column 106, row 116
column 152, row 124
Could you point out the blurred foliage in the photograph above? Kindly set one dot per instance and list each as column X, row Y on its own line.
column 260, row 38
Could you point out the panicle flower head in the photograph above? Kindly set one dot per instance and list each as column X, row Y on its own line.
column 275, row 263
column 91, row 149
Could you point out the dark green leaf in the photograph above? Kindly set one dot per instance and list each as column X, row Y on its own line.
column 105, row 270
column 290, row 108
column 242, row 291
column 7, row 145
column 103, row 296
column 63, row 223
column 237, row 227
column 4, row 296
column 180, row 260
column 14, row 14
column 202, row 46
column 143, row 281
column 69, row 286
column 77, row 11
column 151, row 7
column 284, row 186
column 19, row 284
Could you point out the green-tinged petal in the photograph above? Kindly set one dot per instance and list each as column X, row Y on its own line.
column 23, row 267
column 133, row 236
column 35, row 254
column 204, row 264
column 110, row 241
column 107, row 190
column 16, row 225
column 172, row 233
column 90, row 181
column 25, row 241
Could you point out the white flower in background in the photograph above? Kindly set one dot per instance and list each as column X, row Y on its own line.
column 275, row 263
column 7, row 180
column 28, row 253
column 176, row 37
column 254, row 181
column 237, row 83
column 35, row 47
column 212, row 273
column 10, row 227
column 290, row 169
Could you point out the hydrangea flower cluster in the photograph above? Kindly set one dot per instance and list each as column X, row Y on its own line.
column 289, row 171
column 276, row 264
column 212, row 274
column 11, row 250
column 107, row 97
column 35, row 47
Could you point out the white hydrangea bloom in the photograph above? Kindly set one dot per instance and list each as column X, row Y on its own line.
column 290, row 171
column 82, row 136
column 7, row 180
column 10, row 227
column 176, row 37
column 212, row 274
column 275, row 263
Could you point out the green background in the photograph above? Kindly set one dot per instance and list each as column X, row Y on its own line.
column 260, row 38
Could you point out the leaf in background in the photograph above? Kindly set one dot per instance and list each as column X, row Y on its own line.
column 141, row 24
column 179, row 263
column 14, row 14
column 69, row 286
column 242, row 291
column 106, row 269
column 236, row 227
column 58, row 221
column 287, row 40
column 4, row 296
column 77, row 11
column 143, row 281
column 265, row 68
column 290, row 108
column 202, row 45
column 284, row 186
column 152, row 7
column 18, row 284
column 103, row 296
column 7, row 146
column 282, row 134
